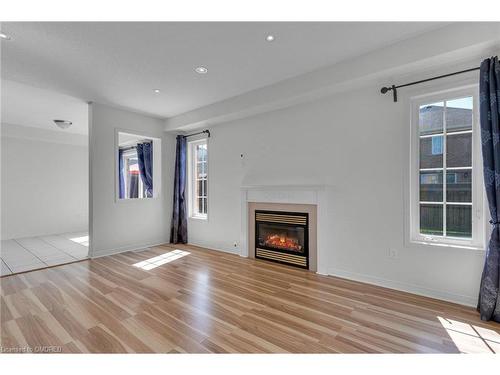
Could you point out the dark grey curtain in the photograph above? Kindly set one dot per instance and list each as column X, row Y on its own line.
column 489, row 106
column 121, row 177
column 178, row 230
column 145, row 158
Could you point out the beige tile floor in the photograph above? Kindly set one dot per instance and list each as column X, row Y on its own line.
column 25, row 254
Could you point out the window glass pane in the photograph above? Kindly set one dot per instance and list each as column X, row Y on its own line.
column 431, row 186
column 431, row 219
column 201, row 170
column 459, row 114
column 132, row 178
column 204, row 187
column 459, row 150
column 199, row 206
column 459, row 221
column 430, row 157
column 199, row 187
column 204, row 202
column 133, row 187
column 459, row 185
column 201, row 152
column 430, row 119
column 437, row 145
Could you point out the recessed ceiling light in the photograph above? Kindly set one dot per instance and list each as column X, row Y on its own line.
column 270, row 38
column 157, row 91
column 5, row 36
column 63, row 124
column 201, row 70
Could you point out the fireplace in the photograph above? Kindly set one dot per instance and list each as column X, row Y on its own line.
column 282, row 237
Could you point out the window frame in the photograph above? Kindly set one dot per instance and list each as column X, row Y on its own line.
column 191, row 146
column 478, row 201
column 158, row 151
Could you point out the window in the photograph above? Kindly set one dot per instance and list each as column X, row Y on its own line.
column 198, row 179
column 446, row 188
column 138, row 166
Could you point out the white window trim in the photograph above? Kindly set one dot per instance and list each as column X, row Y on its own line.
column 157, row 166
column 191, row 168
column 478, row 201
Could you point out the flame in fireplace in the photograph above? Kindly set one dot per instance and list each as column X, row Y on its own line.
column 281, row 241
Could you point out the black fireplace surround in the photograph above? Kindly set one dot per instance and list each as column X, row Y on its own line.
column 282, row 237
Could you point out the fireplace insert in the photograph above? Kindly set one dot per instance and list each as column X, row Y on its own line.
column 282, row 237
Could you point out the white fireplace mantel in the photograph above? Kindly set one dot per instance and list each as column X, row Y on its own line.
column 289, row 194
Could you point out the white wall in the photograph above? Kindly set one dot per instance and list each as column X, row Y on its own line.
column 44, row 182
column 357, row 142
column 126, row 224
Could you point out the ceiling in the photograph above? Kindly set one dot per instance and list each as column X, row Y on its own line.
column 26, row 105
column 122, row 63
column 127, row 139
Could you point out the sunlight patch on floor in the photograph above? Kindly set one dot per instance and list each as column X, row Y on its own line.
column 84, row 240
column 471, row 339
column 157, row 261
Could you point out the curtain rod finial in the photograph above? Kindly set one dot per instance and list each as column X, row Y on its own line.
column 384, row 90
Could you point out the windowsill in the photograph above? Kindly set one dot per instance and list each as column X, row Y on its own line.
column 424, row 243
column 205, row 218
column 134, row 200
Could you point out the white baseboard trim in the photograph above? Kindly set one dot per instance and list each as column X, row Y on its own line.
column 104, row 253
column 405, row 287
column 236, row 252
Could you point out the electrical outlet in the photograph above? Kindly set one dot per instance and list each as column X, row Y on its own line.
column 235, row 244
column 393, row 253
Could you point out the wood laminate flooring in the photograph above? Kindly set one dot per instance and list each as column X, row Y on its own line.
column 176, row 299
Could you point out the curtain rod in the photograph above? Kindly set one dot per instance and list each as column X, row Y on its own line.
column 202, row 132
column 126, row 148
column 394, row 88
